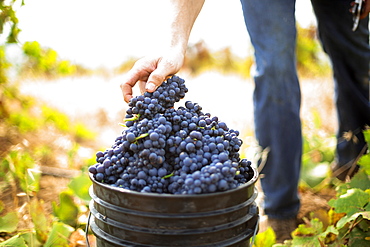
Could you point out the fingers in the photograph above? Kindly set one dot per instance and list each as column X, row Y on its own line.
column 150, row 73
column 154, row 81
column 139, row 72
column 142, row 85
column 128, row 83
column 365, row 10
column 164, row 69
column 126, row 91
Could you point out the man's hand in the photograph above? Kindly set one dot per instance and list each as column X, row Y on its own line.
column 150, row 72
column 365, row 9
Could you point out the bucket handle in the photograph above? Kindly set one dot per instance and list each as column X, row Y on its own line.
column 87, row 230
column 254, row 233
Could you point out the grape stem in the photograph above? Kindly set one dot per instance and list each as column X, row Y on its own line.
column 168, row 176
column 141, row 136
column 134, row 118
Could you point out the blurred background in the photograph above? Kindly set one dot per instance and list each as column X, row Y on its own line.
column 61, row 64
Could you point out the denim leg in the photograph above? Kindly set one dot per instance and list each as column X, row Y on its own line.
column 271, row 27
column 349, row 53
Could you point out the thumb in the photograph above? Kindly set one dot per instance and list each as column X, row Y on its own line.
column 164, row 69
column 155, row 79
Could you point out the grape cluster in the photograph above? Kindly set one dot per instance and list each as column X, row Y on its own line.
column 147, row 105
column 168, row 150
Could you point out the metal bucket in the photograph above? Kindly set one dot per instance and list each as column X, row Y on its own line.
column 123, row 217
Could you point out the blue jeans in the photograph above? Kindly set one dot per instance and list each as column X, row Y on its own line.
column 350, row 57
column 271, row 27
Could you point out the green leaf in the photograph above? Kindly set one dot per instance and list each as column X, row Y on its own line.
column 265, row 239
column 59, row 235
column 351, row 202
column 309, row 235
column 40, row 221
column 367, row 135
column 16, row 240
column 330, row 234
column 364, row 162
column 357, row 237
column 365, row 159
column 9, row 222
column 67, row 211
column 31, row 239
column 364, row 224
column 306, row 241
column 80, row 186
column 314, row 228
column 1, row 206
column 360, row 180
column 32, row 177
column 365, row 215
column 357, row 217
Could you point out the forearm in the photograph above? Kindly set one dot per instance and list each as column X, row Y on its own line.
column 153, row 70
column 182, row 17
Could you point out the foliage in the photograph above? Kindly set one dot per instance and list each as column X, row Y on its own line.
column 349, row 216
column 9, row 222
column 18, row 165
column 199, row 58
column 26, row 122
column 45, row 61
column 4, row 65
column 17, row 240
column 51, row 230
column 27, row 133
column 266, row 238
column 59, row 235
column 310, row 62
column 318, row 154
column 8, row 16
column 67, row 210
column 28, row 130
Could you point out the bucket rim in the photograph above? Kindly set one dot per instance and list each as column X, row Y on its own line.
column 252, row 181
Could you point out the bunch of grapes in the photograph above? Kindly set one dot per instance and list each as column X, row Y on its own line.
column 149, row 104
column 167, row 150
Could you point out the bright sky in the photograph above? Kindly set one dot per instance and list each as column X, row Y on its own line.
column 104, row 33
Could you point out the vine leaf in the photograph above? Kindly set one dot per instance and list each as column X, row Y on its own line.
column 16, row 240
column 330, row 234
column 80, row 186
column 58, row 235
column 354, row 203
column 365, row 159
column 351, row 202
column 360, row 181
column 67, row 211
column 308, row 234
column 357, row 237
column 9, row 222
column 266, row 238
column 39, row 219
column 365, row 163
